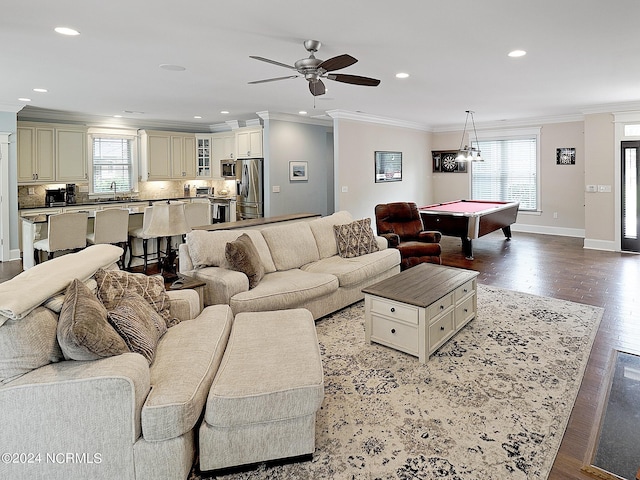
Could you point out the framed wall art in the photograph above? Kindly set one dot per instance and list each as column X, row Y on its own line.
column 445, row 161
column 565, row 156
column 388, row 167
column 298, row 171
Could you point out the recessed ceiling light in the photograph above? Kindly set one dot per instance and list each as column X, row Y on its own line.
column 117, row 116
column 302, row 112
column 197, row 116
column 66, row 31
column 171, row 67
column 402, row 75
column 517, row 53
column 40, row 90
column 23, row 99
column 224, row 112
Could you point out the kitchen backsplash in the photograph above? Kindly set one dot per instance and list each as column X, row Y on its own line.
column 146, row 191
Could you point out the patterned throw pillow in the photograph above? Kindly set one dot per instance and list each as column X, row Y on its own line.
column 138, row 324
column 114, row 285
column 242, row 256
column 83, row 330
column 355, row 238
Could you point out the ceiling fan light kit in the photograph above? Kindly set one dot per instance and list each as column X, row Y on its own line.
column 314, row 70
column 469, row 154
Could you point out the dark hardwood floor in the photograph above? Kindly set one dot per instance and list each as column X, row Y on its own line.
column 555, row 267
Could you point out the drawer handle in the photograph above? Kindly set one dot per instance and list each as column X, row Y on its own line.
column 441, row 328
column 465, row 290
column 466, row 310
column 441, row 307
column 393, row 330
column 393, row 309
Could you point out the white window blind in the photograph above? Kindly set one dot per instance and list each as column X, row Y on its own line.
column 508, row 173
column 112, row 162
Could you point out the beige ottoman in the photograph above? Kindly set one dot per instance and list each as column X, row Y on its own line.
column 263, row 401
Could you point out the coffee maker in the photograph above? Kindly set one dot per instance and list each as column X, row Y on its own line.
column 70, row 194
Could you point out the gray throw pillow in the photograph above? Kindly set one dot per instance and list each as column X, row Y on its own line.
column 138, row 324
column 83, row 330
column 355, row 238
column 242, row 256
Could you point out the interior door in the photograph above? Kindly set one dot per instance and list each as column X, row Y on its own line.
column 630, row 199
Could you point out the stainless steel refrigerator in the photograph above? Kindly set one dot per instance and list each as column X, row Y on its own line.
column 249, row 188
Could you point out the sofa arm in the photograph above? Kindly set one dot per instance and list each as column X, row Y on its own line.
column 88, row 409
column 429, row 236
column 185, row 304
column 392, row 238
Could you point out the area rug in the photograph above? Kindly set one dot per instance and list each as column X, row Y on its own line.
column 492, row 403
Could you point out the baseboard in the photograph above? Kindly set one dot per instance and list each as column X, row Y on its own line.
column 546, row 230
column 607, row 245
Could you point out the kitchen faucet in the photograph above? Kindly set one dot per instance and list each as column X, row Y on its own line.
column 114, row 187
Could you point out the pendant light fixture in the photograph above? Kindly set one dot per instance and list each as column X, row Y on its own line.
column 469, row 154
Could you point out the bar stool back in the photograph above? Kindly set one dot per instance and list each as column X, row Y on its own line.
column 66, row 231
column 111, row 226
column 139, row 233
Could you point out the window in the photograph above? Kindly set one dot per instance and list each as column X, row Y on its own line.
column 509, row 172
column 112, row 161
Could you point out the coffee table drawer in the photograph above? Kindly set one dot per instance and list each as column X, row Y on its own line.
column 439, row 306
column 394, row 334
column 464, row 290
column 465, row 311
column 440, row 331
column 395, row 310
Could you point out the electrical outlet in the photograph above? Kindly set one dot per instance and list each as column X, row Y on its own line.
column 275, row 189
column 604, row 188
column 555, row 214
column 592, row 188
column 345, row 189
column 32, row 191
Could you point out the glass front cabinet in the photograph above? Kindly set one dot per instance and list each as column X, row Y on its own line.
column 203, row 156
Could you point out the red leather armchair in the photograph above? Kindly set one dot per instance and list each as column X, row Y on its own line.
column 401, row 225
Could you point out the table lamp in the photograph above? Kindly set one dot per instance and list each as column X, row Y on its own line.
column 167, row 220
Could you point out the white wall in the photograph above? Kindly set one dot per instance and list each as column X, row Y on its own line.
column 9, row 124
column 355, row 145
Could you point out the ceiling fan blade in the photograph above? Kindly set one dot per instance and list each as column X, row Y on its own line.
column 354, row 79
column 336, row 63
column 316, row 88
column 272, row 79
column 280, row 64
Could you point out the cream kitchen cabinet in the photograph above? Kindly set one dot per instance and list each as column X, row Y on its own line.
column 36, row 154
column 223, row 147
column 167, row 156
column 249, row 143
column 71, row 155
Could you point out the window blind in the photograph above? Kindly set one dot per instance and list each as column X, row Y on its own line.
column 508, row 173
column 112, row 162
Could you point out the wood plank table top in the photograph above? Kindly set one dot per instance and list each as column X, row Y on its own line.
column 421, row 285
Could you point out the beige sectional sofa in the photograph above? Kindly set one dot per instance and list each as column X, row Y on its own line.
column 115, row 417
column 301, row 264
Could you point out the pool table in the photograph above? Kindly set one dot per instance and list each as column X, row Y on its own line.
column 469, row 219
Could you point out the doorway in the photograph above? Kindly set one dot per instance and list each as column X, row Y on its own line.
column 630, row 200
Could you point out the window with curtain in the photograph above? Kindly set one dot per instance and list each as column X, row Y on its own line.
column 509, row 172
column 112, row 161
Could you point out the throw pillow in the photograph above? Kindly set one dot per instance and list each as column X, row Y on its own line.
column 355, row 238
column 114, row 285
column 242, row 256
column 83, row 330
column 138, row 324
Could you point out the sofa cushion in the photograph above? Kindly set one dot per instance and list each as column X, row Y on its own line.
column 187, row 359
column 83, row 330
column 322, row 229
column 282, row 290
column 54, row 303
column 113, row 285
column 242, row 256
column 28, row 343
column 207, row 249
column 139, row 325
column 355, row 238
column 291, row 245
column 356, row 270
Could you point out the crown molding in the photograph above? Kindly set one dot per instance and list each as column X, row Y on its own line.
column 611, row 108
column 11, row 107
column 321, row 120
column 524, row 122
column 363, row 117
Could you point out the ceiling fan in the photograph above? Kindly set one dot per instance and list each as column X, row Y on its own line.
column 314, row 69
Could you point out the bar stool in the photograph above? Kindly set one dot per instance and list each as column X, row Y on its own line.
column 66, row 231
column 111, row 226
column 139, row 233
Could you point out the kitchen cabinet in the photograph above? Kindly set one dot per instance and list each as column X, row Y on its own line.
column 71, row 155
column 36, row 153
column 249, row 143
column 203, row 156
column 51, row 153
column 167, row 156
column 223, row 147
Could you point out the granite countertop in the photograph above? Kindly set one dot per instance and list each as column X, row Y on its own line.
column 106, row 202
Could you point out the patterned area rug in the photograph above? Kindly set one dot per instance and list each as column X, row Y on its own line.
column 492, row 403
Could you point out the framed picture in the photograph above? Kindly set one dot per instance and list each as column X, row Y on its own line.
column 445, row 161
column 298, row 171
column 388, row 167
column 565, row 156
